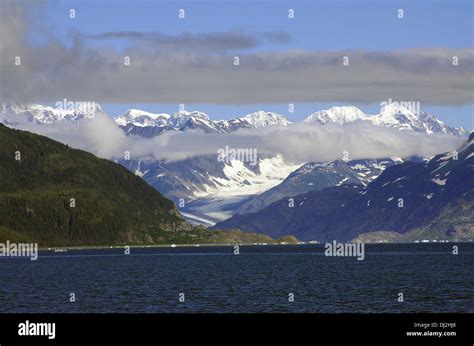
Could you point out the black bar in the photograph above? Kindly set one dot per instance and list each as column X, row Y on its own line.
column 219, row 329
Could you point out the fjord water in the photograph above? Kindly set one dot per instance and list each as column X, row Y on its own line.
column 213, row 279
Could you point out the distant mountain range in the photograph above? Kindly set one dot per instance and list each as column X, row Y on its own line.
column 139, row 122
column 148, row 124
column 214, row 191
column 35, row 113
column 410, row 201
column 392, row 115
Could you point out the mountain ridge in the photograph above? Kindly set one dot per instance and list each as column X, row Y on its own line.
column 317, row 176
column 426, row 199
column 392, row 115
column 145, row 123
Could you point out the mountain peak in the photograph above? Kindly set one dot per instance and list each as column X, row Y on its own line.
column 399, row 108
column 184, row 120
column 193, row 114
column 404, row 117
column 339, row 115
column 141, row 118
column 411, row 118
column 32, row 112
column 263, row 119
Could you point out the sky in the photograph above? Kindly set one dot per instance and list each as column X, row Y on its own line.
column 282, row 60
column 318, row 25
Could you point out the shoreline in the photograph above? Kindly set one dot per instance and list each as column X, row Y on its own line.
column 99, row 247
column 102, row 247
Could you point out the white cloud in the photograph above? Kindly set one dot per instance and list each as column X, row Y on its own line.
column 99, row 135
column 300, row 142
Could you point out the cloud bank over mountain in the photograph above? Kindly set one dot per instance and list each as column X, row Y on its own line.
column 198, row 68
column 298, row 143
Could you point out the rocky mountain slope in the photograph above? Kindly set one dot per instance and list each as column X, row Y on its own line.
column 408, row 201
column 206, row 190
column 317, row 176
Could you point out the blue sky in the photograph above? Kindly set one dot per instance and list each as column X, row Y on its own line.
column 318, row 25
column 369, row 25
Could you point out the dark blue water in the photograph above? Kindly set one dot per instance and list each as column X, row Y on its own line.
column 430, row 277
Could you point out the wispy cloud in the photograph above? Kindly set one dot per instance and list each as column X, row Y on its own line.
column 299, row 142
column 208, row 42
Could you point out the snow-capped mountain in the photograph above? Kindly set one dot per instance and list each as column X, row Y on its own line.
column 215, row 190
column 149, row 124
column 228, row 126
column 338, row 115
column 407, row 202
column 140, row 122
column 393, row 115
column 207, row 190
column 141, row 118
column 317, row 176
column 407, row 119
column 15, row 114
column 264, row 119
column 185, row 120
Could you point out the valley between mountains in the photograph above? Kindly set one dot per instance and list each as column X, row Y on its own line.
column 381, row 199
